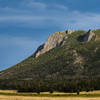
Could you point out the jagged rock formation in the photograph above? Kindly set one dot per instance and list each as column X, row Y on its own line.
column 58, row 38
column 89, row 36
column 54, row 40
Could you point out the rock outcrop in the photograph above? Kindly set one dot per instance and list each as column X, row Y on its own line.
column 56, row 39
column 89, row 36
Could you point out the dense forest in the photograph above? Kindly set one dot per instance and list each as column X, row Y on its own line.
column 37, row 86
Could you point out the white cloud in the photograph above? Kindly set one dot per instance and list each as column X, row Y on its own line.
column 76, row 20
column 33, row 5
column 37, row 5
column 61, row 7
column 84, row 20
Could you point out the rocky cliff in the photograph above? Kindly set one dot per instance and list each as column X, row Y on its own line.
column 58, row 38
column 54, row 40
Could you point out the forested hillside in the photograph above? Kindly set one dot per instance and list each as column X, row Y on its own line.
column 74, row 60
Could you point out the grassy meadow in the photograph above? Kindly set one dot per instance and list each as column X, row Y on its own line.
column 45, row 98
column 13, row 95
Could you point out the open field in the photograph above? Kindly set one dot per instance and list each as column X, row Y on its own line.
column 8, row 91
column 45, row 98
column 13, row 95
column 14, row 92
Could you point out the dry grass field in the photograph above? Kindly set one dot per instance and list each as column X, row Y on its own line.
column 14, row 91
column 45, row 98
column 8, row 91
column 21, row 97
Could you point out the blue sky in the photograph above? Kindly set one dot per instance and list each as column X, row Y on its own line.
column 25, row 24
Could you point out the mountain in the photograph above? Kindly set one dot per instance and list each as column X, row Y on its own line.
column 69, row 61
column 65, row 55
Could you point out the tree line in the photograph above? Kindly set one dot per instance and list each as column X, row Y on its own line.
column 67, row 86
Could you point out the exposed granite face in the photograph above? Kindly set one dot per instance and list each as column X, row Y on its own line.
column 89, row 36
column 53, row 41
column 56, row 39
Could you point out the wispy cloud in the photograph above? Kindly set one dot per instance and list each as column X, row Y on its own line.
column 58, row 7
column 73, row 19
column 36, row 5
column 39, row 14
column 32, row 13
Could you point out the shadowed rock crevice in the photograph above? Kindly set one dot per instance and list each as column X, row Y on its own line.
column 89, row 36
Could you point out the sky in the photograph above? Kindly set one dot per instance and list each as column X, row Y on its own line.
column 25, row 24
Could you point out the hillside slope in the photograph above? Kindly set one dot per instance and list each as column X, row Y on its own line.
column 70, row 56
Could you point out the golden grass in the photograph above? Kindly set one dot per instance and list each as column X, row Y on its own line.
column 8, row 91
column 14, row 91
column 5, row 97
column 91, row 92
column 45, row 98
column 94, row 92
